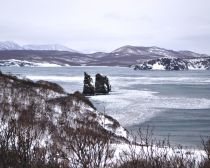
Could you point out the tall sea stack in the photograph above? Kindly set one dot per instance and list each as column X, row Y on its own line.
column 88, row 88
column 102, row 85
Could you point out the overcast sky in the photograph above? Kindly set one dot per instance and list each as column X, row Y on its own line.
column 104, row 25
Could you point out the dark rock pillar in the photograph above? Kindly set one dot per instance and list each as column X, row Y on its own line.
column 102, row 85
column 88, row 88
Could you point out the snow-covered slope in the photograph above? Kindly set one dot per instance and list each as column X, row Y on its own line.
column 130, row 50
column 174, row 64
column 154, row 51
column 193, row 54
column 199, row 63
column 50, row 119
column 139, row 50
column 23, row 63
column 8, row 45
column 52, row 104
column 56, row 47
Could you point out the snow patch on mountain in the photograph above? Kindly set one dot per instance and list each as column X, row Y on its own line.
column 126, row 50
column 193, row 54
column 161, row 51
column 55, row 47
column 8, row 45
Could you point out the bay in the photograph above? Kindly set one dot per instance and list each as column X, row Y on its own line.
column 175, row 103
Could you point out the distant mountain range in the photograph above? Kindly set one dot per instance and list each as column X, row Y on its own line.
column 55, row 54
column 9, row 45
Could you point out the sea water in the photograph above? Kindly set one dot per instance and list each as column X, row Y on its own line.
column 173, row 103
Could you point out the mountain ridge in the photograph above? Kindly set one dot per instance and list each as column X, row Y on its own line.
column 56, row 47
column 10, row 45
column 123, row 56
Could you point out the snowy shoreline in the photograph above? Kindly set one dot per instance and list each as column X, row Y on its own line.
column 193, row 64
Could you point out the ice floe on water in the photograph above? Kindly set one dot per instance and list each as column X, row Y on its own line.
column 158, row 80
column 126, row 106
column 132, row 107
column 131, row 104
column 57, row 78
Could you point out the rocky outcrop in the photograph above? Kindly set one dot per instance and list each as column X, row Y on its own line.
column 53, row 86
column 88, row 88
column 174, row 64
column 102, row 85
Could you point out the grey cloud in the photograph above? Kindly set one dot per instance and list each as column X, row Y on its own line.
column 107, row 24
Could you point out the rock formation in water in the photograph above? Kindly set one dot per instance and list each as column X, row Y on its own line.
column 102, row 85
column 88, row 88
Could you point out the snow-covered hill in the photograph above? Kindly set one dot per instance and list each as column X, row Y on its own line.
column 174, row 64
column 43, row 119
column 130, row 50
column 56, row 47
column 8, row 45
column 154, row 52
column 17, row 90
column 129, row 55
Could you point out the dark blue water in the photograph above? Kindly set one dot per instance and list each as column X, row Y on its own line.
column 174, row 103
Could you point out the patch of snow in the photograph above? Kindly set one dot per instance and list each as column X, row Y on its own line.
column 158, row 66
column 56, row 47
column 45, row 139
column 108, row 125
column 120, row 131
column 197, row 64
column 146, row 151
column 8, row 45
column 20, row 63
column 45, row 64
column 104, row 121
